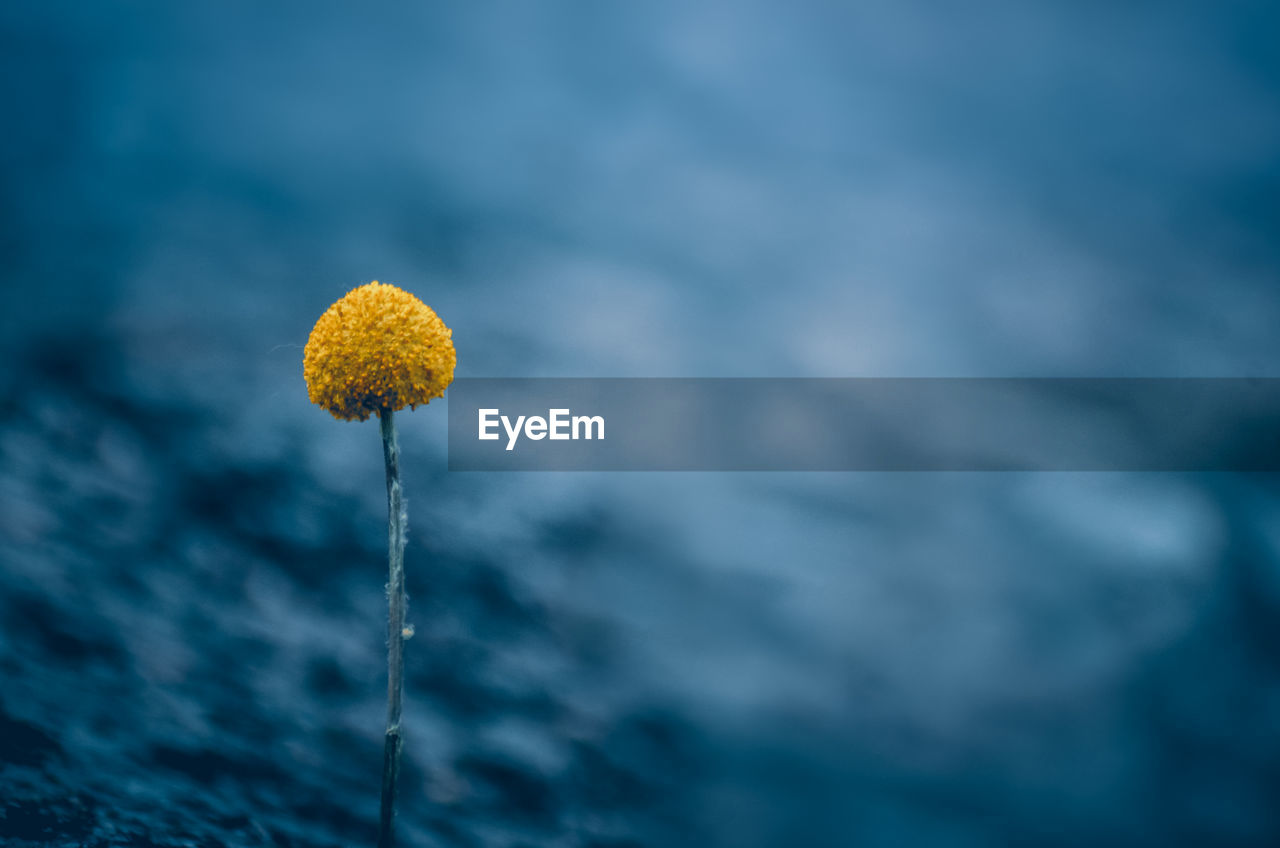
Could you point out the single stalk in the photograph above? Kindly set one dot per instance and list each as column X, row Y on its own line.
column 396, row 521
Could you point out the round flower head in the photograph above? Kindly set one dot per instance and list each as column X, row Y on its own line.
column 377, row 348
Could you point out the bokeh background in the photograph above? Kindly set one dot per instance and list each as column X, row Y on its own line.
column 192, row 556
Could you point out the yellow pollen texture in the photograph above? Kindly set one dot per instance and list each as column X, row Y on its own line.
column 379, row 347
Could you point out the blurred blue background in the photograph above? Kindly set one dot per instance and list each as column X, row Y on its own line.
column 192, row 556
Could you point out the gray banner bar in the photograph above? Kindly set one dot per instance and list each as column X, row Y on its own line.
column 864, row 424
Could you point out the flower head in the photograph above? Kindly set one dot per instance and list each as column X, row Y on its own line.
column 379, row 347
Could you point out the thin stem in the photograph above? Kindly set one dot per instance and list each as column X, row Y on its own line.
column 396, row 522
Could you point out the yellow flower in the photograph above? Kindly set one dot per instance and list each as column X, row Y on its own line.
column 377, row 348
